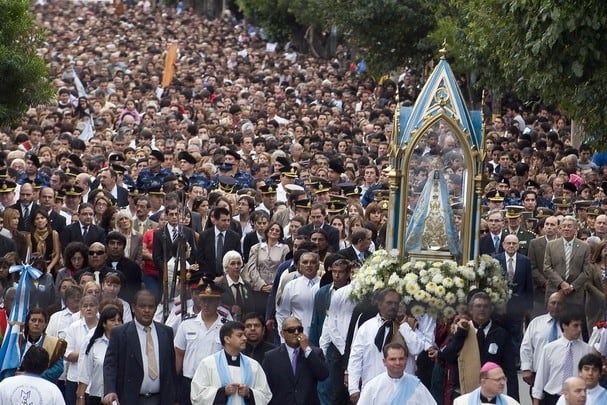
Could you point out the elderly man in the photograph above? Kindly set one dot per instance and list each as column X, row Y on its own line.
column 492, row 385
column 395, row 386
column 567, row 265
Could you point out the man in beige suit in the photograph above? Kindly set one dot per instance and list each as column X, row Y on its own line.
column 567, row 264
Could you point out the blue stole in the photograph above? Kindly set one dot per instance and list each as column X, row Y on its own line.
column 406, row 388
column 475, row 398
column 225, row 377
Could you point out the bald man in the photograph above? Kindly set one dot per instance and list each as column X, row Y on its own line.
column 574, row 391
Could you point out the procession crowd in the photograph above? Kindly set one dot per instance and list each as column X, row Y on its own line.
column 197, row 233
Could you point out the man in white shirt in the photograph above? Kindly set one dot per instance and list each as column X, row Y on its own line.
column 542, row 330
column 366, row 355
column 558, row 359
column 589, row 369
column 395, row 386
column 29, row 387
column 298, row 295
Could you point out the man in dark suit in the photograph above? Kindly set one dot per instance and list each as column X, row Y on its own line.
column 116, row 242
column 25, row 206
column 139, row 366
column 294, row 368
column 46, row 201
column 317, row 218
column 219, row 237
column 167, row 238
column 359, row 250
column 517, row 268
column 84, row 230
column 491, row 243
column 108, row 179
column 260, row 220
column 6, row 245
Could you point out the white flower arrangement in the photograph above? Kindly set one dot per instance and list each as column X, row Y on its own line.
column 438, row 288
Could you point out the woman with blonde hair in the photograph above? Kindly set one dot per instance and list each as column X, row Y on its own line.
column 134, row 240
column 21, row 239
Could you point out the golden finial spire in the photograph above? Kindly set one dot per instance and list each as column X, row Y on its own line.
column 443, row 50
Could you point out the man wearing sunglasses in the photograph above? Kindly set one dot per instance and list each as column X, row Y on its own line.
column 294, row 368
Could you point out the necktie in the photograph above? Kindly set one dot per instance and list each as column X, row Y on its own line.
column 150, row 353
column 496, row 243
column 219, row 253
column 85, row 232
column 510, row 270
column 174, row 234
column 480, row 337
column 554, row 333
column 238, row 294
column 26, row 213
column 568, row 365
column 567, row 259
column 141, row 228
column 361, row 256
column 381, row 338
column 294, row 360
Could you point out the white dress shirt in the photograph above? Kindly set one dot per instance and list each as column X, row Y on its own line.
column 337, row 321
column 549, row 375
column 535, row 338
column 90, row 366
column 77, row 333
column 148, row 386
column 298, row 301
column 365, row 359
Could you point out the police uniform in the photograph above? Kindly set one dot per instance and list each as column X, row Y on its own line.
column 524, row 237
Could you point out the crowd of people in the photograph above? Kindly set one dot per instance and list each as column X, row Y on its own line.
column 197, row 236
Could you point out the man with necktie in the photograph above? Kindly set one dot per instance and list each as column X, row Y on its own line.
column 559, row 359
column 567, row 266
column 542, row 330
column 139, row 366
column 491, row 243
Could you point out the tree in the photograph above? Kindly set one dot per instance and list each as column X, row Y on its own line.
column 388, row 33
column 24, row 74
column 554, row 50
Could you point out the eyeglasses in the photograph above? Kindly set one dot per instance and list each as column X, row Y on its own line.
column 96, row 252
column 299, row 329
column 498, row 379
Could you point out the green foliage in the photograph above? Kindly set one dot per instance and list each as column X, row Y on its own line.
column 24, row 74
column 388, row 33
column 547, row 48
column 273, row 15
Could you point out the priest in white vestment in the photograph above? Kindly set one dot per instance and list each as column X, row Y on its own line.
column 394, row 386
column 492, row 386
column 228, row 377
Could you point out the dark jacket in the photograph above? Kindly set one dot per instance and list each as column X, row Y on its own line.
column 301, row 387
